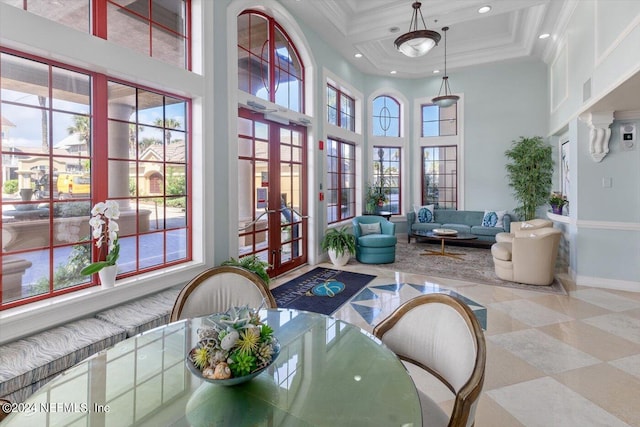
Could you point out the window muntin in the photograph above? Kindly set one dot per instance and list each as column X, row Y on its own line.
column 157, row 28
column 387, row 172
column 438, row 121
column 341, row 109
column 386, row 116
column 269, row 66
column 341, row 180
column 50, row 150
column 439, row 176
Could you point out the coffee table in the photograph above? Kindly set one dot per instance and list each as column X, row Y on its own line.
column 444, row 237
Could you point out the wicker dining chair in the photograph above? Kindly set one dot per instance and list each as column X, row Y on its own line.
column 440, row 334
column 218, row 289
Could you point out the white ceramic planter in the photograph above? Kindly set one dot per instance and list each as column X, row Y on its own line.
column 108, row 276
column 339, row 260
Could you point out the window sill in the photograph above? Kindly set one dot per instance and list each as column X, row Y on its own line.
column 31, row 318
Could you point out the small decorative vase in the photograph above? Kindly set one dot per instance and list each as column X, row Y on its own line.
column 108, row 276
column 556, row 209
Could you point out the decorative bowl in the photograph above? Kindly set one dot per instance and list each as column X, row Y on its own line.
column 232, row 381
column 445, row 231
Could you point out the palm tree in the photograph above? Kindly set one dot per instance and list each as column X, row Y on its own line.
column 167, row 124
column 81, row 127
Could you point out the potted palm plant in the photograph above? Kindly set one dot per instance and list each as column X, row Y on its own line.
column 340, row 244
column 251, row 263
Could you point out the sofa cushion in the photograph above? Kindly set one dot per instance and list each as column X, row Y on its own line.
column 493, row 218
column 479, row 230
column 41, row 356
column 373, row 228
column 424, row 214
column 377, row 240
column 143, row 314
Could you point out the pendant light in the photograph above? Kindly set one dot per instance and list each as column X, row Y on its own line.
column 417, row 42
column 447, row 99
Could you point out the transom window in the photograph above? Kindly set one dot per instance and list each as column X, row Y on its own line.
column 386, row 116
column 74, row 138
column 341, row 180
column 439, row 176
column 269, row 66
column 386, row 175
column 160, row 29
column 341, row 109
column 438, row 121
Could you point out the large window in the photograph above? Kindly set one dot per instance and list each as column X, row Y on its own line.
column 72, row 138
column 159, row 29
column 269, row 66
column 386, row 116
column 341, row 109
column 439, row 176
column 438, row 121
column 341, row 180
column 386, row 175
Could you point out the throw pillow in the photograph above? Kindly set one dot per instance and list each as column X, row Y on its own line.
column 424, row 213
column 370, row 228
column 493, row 219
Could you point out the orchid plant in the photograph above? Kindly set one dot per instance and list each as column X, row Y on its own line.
column 105, row 231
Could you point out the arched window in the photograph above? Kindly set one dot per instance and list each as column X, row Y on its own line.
column 269, row 66
column 386, row 116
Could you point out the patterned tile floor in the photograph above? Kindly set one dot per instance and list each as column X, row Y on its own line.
column 552, row 360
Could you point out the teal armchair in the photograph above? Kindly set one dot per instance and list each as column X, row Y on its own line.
column 375, row 239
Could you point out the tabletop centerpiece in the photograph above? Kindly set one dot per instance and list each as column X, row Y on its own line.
column 235, row 349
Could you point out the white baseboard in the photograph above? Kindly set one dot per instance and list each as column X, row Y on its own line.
column 601, row 282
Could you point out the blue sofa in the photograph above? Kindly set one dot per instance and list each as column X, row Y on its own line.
column 461, row 221
column 375, row 248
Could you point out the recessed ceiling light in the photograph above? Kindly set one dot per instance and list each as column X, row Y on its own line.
column 394, row 29
column 392, row 72
column 436, row 71
column 484, row 9
column 358, row 55
column 544, row 36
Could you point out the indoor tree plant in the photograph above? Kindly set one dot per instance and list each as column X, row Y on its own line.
column 530, row 172
column 340, row 244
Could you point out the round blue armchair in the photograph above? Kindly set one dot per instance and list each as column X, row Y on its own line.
column 375, row 239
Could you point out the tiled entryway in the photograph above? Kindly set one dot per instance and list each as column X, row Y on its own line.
column 552, row 360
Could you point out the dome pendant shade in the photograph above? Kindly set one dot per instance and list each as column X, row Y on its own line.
column 417, row 42
column 447, row 99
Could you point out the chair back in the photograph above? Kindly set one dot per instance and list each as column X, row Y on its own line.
column 534, row 254
column 218, row 289
column 386, row 226
column 440, row 334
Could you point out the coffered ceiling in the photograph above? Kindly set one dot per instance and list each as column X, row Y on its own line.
column 509, row 31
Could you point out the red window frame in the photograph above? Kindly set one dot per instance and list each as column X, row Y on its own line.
column 345, row 109
column 443, row 179
column 389, row 163
column 340, row 176
column 99, row 179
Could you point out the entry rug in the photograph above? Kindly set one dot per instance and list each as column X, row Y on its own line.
column 322, row 290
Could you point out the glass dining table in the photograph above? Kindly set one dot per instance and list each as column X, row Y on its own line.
column 328, row 373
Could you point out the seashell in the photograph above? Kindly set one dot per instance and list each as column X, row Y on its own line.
column 229, row 340
column 208, row 373
column 222, row 371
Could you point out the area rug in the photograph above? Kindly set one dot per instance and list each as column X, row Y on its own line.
column 322, row 290
column 476, row 265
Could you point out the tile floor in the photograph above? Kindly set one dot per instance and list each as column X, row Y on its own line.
column 552, row 360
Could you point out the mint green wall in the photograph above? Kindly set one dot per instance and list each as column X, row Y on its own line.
column 502, row 102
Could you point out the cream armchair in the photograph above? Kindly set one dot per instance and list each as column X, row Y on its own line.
column 530, row 258
column 532, row 224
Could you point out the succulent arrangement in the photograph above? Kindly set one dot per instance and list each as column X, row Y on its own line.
column 237, row 344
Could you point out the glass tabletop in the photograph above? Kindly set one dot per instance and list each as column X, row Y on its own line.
column 328, row 373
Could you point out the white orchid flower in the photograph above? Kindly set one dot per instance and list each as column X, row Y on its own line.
column 98, row 209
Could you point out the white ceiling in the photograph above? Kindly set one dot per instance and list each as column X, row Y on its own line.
column 508, row 32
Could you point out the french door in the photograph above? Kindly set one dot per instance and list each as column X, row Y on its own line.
column 272, row 200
